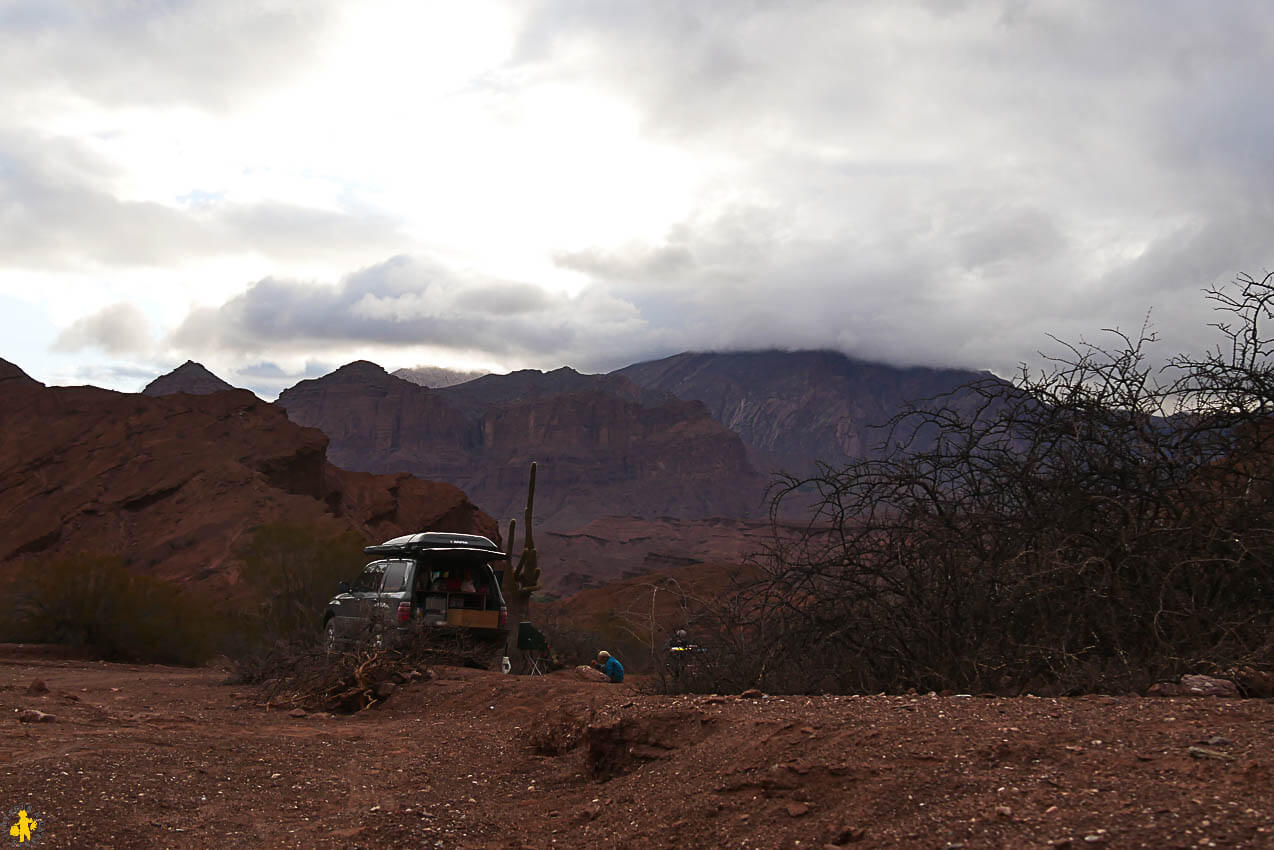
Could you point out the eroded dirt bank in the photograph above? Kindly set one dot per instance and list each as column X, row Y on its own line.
column 145, row 757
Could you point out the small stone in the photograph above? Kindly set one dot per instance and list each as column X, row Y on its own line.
column 1094, row 839
column 796, row 810
column 840, row 836
column 752, row 693
column 383, row 690
column 37, row 687
column 297, row 712
column 1209, row 686
column 1218, row 741
column 32, row 715
column 1004, row 811
column 1205, row 753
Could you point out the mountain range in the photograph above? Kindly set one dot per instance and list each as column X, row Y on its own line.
column 658, row 464
column 175, row 483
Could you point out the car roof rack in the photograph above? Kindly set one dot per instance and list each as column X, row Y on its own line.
column 438, row 540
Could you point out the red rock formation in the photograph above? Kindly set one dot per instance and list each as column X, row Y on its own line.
column 604, row 445
column 174, row 483
column 190, row 377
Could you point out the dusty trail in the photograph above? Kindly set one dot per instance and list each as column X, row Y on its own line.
column 146, row 757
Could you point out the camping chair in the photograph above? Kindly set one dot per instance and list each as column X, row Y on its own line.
column 535, row 649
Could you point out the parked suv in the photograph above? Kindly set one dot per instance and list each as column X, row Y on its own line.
column 434, row 578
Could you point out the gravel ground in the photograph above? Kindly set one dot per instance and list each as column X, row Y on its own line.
column 152, row 757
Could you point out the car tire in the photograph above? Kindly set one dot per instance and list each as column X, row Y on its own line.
column 330, row 641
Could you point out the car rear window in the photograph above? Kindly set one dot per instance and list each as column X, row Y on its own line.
column 395, row 577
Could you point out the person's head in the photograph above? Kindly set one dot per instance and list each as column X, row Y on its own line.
column 603, row 655
column 681, row 633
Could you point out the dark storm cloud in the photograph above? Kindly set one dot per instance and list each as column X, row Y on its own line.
column 936, row 183
column 410, row 301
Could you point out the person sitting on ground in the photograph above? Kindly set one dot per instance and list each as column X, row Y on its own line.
column 610, row 666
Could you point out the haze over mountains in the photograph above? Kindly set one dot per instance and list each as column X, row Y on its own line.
column 691, row 436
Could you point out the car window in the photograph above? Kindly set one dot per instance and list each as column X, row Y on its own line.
column 395, row 577
column 369, row 581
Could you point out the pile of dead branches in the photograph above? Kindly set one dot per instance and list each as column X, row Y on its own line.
column 343, row 682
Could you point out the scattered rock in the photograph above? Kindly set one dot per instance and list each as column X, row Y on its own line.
column 797, row 810
column 1003, row 812
column 1209, row 686
column 1253, row 683
column 752, row 693
column 32, row 715
column 1196, row 685
column 1217, row 741
column 588, row 674
column 842, row 835
column 37, row 687
column 297, row 712
column 1205, row 753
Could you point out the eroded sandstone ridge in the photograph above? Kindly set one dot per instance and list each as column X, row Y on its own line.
column 174, row 483
column 604, row 445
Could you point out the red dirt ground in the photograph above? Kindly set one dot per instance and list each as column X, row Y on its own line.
column 149, row 757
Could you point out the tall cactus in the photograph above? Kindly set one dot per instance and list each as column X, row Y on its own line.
column 527, row 572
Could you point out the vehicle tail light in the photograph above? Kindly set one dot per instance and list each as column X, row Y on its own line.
column 404, row 612
column 504, row 616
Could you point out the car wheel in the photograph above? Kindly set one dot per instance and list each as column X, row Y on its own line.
column 330, row 641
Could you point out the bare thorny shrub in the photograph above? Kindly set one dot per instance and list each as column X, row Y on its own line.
column 1094, row 527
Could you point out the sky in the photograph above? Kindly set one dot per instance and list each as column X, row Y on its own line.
column 277, row 187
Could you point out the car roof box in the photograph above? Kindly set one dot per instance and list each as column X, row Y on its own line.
column 432, row 540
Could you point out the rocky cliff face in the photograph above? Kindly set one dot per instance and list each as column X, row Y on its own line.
column 190, row 377
column 796, row 408
column 174, row 483
column 604, row 445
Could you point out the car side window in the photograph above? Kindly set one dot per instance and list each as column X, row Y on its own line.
column 369, row 580
column 395, row 577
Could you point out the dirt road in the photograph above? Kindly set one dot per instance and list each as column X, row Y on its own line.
column 151, row 757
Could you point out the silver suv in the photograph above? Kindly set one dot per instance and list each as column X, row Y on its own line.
column 431, row 578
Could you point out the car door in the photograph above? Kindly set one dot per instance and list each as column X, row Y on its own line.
column 393, row 589
column 363, row 596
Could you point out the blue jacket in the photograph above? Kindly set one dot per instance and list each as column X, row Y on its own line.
column 614, row 669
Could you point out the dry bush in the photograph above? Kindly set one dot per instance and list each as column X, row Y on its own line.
column 95, row 602
column 1098, row 527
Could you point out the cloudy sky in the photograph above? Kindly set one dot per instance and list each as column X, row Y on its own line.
column 275, row 187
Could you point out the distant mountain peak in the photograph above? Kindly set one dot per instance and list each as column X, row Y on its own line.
column 191, row 378
column 11, row 372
